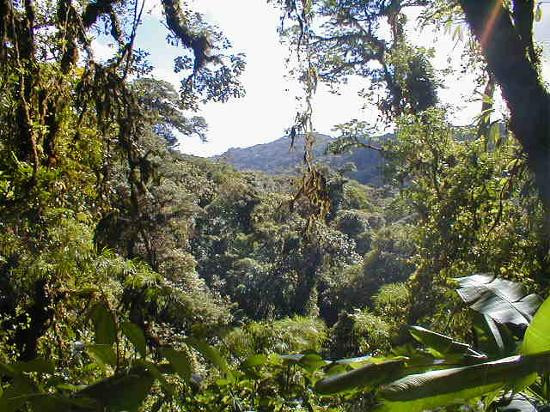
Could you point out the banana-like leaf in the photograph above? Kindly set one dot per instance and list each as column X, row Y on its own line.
column 436, row 388
column 440, row 344
column 369, row 375
column 360, row 360
column 502, row 300
column 489, row 337
column 537, row 335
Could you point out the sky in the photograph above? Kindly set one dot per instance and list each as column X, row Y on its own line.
column 269, row 106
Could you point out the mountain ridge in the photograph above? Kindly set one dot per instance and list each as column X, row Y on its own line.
column 279, row 158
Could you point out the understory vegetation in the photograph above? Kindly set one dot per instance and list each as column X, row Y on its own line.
column 133, row 277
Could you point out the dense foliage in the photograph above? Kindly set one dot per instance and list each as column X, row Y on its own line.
column 133, row 277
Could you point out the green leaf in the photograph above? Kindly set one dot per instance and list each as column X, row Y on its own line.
column 120, row 392
column 495, row 333
column 537, row 335
column 36, row 365
column 442, row 345
column 312, row 361
column 69, row 387
column 104, row 325
column 457, row 33
column 165, row 385
column 502, row 300
column 369, row 375
column 210, row 353
column 7, row 370
column 293, row 357
column 360, row 360
column 489, row 337
column 135, row 335
column 56, row 403
column 15, row 395
column 102, row 354
column 336, row 369
column 494, row 133
column 179, row 362
column 443, row 387
column 254, row 361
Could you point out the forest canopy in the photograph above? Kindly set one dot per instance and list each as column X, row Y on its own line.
column 134, row 277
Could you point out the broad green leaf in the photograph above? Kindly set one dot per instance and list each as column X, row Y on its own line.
column 104, row 325
column 251, row 365
column 210, row 353
column 443, row 387
column 36, row 365
column 254, row 361
column 312, row 361
column 496, row 340
column 369, row 375
column 7, row 370
column 494, row 133
column 537, row 335
column 120, row 392
column 502, row 300
column 179, row 362
column 15, row 395
column 414, row 357
column 70, row 387
column 103, row 354
column 309, row 360
column 337, row 369
column 135, row 335
column 56, row 403
column 360, row 360
column 292, row 357
column 165, row 385
column 442, row 345
column 495, row 333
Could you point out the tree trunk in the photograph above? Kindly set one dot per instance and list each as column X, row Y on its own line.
column 527, row 98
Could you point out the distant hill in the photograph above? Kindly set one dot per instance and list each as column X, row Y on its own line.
column 277, row 158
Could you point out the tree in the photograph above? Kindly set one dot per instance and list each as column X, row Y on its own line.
column 344, row 38
column 516, row 69
column 165, row 110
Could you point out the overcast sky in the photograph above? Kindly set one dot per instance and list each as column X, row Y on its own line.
column 269, row 105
